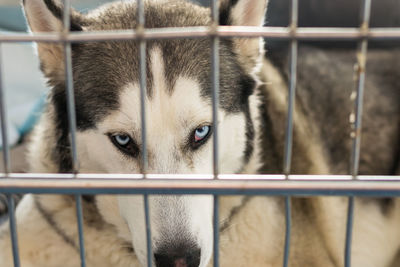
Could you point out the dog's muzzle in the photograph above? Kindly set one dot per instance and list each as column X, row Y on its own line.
column 179, row 258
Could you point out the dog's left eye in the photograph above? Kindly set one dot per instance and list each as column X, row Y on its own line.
column 125, row 144
column 200, row 135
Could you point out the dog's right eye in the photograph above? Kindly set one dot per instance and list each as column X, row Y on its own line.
column 125, row 144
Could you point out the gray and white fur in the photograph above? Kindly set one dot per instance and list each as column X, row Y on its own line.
column 252, row 114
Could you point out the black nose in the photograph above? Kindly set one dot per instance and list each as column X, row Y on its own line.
column 179, row 258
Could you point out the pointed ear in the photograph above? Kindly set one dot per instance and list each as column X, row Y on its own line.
column 245, row 13
column 46, row 16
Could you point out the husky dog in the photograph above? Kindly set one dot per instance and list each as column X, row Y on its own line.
column 178, row 109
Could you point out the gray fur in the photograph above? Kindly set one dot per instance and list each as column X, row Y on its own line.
column 325, row 84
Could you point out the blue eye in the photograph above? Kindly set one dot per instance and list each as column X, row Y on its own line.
column 201, row 133
column 122, row 140
column 125, row 144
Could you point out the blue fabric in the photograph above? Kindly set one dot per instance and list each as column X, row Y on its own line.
column 33, row 116
column 23, row 87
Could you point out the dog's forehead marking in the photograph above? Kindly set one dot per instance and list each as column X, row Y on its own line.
column 168, row 110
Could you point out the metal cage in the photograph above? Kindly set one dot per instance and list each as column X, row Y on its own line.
column 284, row 185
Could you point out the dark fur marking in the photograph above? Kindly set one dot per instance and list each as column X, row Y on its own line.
column 234, row 212
column 62, row 152
column 53, row 224
column 247, row 84
column 249, row 137
column 272, row 159
column 57, row 11
column 386, row 205
column 225, row 12
column 88, row 198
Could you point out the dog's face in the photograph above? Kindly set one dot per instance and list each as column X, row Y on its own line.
column 178, row 113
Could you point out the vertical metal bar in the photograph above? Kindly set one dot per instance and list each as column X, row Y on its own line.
column 288, row 231
column 13, row 230
column 361, row 64
column 4, row 123
column 215, row 101
column 291, row 103
column 71, row 106
column 140, row 13
column 142, row 59
column 143, row 85
column 72, row 124
column 289, row 127
column 7, row 170
column 143, row 93
column 78, row 199
column 70, row 88
column 349, row 232
column 215, row 85
column 144, row 145
column 148, row 230
column 216, row 231
column 356, row 133
column 292, row 90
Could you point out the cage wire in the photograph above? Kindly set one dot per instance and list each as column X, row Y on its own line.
column 286, row 185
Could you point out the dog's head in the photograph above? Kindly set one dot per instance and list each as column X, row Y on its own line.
column 178, row 112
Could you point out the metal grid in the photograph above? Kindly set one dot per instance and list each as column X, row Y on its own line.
column 284, row 185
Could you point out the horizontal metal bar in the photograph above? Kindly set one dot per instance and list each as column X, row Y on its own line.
column 302, row 33
column 384, row 187
column 183, row 177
